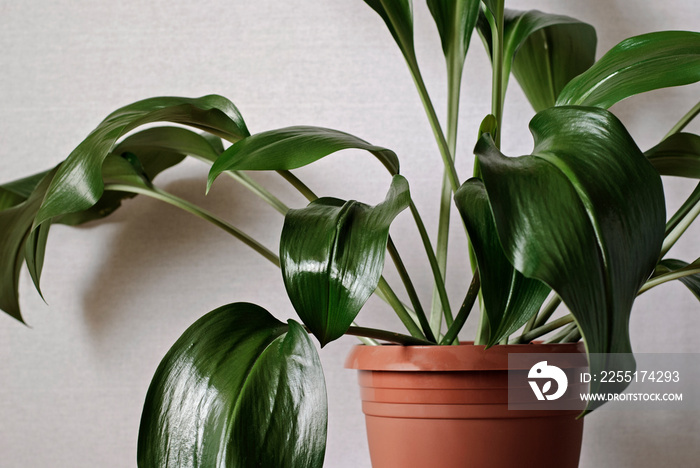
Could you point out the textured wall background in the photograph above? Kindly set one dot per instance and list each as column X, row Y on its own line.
column 122, row 291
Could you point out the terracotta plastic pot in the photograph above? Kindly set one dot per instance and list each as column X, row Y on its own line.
column 447, row 406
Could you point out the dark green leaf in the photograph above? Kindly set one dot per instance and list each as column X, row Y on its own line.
column 78, row 184
column 545, row 52
column 455, row 20
column 584, row 214
column 510, row 299
column 678, row 155
column 398, row 16
column 293, row 147
column 692, row 282
column 636, row 65
column 15, row 226
column 238, row 389
column 332, row 256
column 15, row 192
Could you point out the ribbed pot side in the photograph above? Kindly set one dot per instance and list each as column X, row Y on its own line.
column 447, row 406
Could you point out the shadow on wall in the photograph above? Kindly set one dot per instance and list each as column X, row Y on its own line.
column 163, row 257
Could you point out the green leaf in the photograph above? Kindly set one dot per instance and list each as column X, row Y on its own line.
column 78, row 184
column 455, row 20
column 238, row 389
column 510, row 299
column 15, row 227
column 545, row 52
column 637, row 65
column 291, row 148
column 584, row 214
column 15, row 192
column 678, row 155
column 332, row 256
column 692, row 282
column 398, row 16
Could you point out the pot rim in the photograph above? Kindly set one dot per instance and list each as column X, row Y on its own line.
column 465, row 357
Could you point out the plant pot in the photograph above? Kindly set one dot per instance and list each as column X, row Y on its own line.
column 447, row 406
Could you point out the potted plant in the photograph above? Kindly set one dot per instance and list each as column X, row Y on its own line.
column 592, row 229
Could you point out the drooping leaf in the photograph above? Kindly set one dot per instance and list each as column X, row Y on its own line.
column 678, row 155
column 398, row 16
column 238, row 389
column 510, row 299
column 15, row 192
column 293, row 147
column 637, row 65
column 78, row 184
column 692, row 282
column 15, row 226
column 332, row 256
column 584, row 214
column 545, row 52
column 455, row 20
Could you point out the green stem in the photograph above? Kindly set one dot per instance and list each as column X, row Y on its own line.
column 259, row 190
column 551, row 326
column 692, row 269
column 547, row 311
column 463, row 314
column 399, row 308
column 411, row 290
column 298, row 184
column 497, row 26
column 166, row 197
column 681, row 220
column 432, row 260
column 563, row 333
column 443, row 147
column 685, row 120
column 388, row 336
column 573, row 337
column 454, row 81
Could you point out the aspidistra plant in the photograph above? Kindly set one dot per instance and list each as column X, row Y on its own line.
column 579, row 220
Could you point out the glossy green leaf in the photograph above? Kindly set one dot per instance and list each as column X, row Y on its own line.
column 584, row 214
column 545, row 52
column 636, row 65
column 678, row 155
column 398, row 16
column 78, row 184
column 15, row 192
column 455, row 20
column 291, row 148
column 332, row 256
column 238, row 389
column 15, row 227
column 510, row 299
column 692, row 282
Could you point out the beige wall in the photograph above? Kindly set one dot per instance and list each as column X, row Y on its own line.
column 121, row 291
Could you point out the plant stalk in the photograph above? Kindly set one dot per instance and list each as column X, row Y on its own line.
column 681, row 220
column 692, row 269
column 685, row 120
column 387, row 336
column 467, row 305
column 166, row 197
column 543, row 330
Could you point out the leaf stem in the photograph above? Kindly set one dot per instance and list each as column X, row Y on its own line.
column 454, row 81
column 464, row 310
column 259, row 190
column 685, row 120
column 401, row 311
column 298, row 184
column 411, row 290
column 543, row 330
column 166, row 197
column 443, row 147
column 692, row 269
column 681, row 220
column 387, row 336
column 432, row 260
column 547, row 311
column 563, row 333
